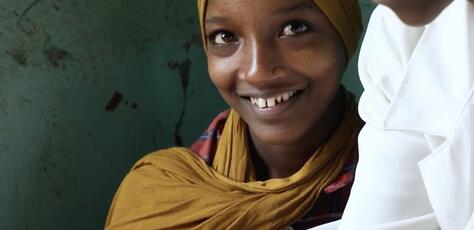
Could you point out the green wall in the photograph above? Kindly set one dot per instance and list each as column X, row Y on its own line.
column 87, row 88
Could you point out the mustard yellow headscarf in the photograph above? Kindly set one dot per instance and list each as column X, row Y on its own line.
column 175, row 189
column 344, row 15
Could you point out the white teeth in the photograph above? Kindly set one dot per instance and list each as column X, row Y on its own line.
column 279, row 99
column 262, row 103
column 271, row 102
column 253, row 100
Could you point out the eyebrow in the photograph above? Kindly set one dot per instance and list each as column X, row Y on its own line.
column 215, row 20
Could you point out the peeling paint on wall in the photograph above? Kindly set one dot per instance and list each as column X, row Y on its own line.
column 83, row 96
column 114, row 102
column 56, row 57
column 18, row 55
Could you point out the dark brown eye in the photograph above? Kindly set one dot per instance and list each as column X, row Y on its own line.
column 294, row 28
column 222, row 38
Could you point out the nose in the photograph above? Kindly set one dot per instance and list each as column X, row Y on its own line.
column 262, row 65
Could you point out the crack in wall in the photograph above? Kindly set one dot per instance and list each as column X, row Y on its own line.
column 3, row 101
column 27, row 10
column 195, row 40
column 184, row 73
column 25, row 24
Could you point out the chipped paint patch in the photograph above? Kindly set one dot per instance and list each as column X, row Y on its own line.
column 56, row 57
column 19, row 56
column 114, row 102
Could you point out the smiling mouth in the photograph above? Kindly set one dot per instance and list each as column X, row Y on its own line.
column 271, row 102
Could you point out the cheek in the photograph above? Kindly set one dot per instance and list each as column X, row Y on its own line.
column 323, row 67
column 320, row 64
column 221, row 74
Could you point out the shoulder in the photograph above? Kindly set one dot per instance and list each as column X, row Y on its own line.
column 165, row 158
column 152, row 180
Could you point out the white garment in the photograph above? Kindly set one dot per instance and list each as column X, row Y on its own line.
column 471, row 223
column 416, row 151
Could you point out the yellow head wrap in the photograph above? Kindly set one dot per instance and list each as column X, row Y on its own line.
column 343, row 14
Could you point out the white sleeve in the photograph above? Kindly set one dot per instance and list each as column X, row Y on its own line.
column 470, row 225
column 329, row 226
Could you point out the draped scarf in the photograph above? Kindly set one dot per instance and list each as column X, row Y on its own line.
column 176, row 189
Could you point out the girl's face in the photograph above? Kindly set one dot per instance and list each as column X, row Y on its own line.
column 416, row 12
column 276, row 62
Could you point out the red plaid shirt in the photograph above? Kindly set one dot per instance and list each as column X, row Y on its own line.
column 329, row 205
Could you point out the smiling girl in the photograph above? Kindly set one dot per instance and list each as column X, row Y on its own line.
column 285, row 153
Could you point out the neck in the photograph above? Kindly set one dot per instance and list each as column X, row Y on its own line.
column 280, row 161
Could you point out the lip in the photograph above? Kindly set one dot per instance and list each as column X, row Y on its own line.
column 277, row 110
column 269, row 93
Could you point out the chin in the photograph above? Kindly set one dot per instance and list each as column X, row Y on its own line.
column 274, row 136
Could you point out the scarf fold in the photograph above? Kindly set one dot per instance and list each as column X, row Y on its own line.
column 175, row 189
column 344, row 15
